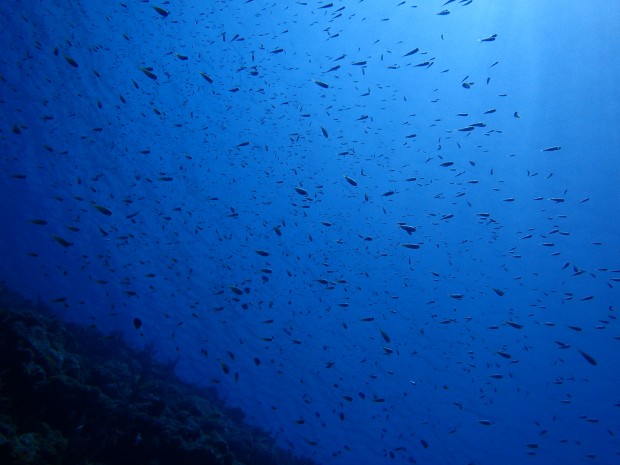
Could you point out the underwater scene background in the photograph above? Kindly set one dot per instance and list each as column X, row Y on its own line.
column 387, row 231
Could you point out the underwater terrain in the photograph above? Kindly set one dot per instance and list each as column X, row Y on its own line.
column 71, row 395
column 363, row 232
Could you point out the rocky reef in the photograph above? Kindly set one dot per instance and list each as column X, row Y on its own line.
column 71, row 395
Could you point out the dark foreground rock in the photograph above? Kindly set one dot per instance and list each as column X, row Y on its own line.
column 70, row 395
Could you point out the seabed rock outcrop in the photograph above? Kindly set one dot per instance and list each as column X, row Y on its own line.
column 70, row 395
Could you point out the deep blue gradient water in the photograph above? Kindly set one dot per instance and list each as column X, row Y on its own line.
column 368, row 250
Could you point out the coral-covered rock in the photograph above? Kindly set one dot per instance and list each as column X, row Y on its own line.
column 69, row 395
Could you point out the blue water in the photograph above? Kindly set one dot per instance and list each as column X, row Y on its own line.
column 162, row 197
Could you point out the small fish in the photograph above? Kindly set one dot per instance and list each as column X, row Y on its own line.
column 207, row 77
column 262, row 253
column 491, row 38
column 321, row 84
column 236, row 290
column 137, row 323
column 39, row 222
column 301, row 191
column 407, row 228
column 444, row 12
column 589, row 358
column 324, row 131
column 161, row 11
column 62, row 241
column 103, row 210
column 551, row 149
column 149, row 73
column 415, row 50
column 351, row 181
column 71, row 61
column 411, row 246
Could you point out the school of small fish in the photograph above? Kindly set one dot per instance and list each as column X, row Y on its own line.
column 342, row 220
